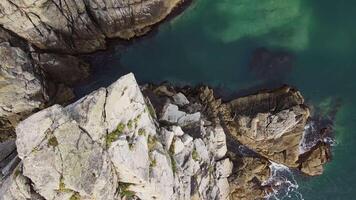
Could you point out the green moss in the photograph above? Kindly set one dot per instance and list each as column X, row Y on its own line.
column 141, row 132
column 151, row 142
column 211, row 170
column 17, row 172
column 171, row 148
column 35, row 150
column 75, row 196
column 111, row 137
column 174, row 165
column 195, row 155
column 136, row 119
column 53, row 141
column 151, row 110
column 62, row 186
column 130, row 124
column 124, row 190
column 153, row 163
column 171, row 154
column 131, row 146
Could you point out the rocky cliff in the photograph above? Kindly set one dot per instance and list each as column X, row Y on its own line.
column 160, row 142
column 38, row 40
column 81, row 26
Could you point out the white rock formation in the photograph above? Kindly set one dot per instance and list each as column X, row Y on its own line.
column 108, row 146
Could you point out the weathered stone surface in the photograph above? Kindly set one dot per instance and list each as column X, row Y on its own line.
column 62, row 69
column 126, row 19
column 111, row 145
column 15, row 187
column 107, row 146
column 271, row 123
column 79, row 26
column 180, row 100
column 21, row 89
column 248, row 175
column 312, row 162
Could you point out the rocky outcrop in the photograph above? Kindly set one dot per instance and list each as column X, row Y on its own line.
column 33, row 33
column 81, row 26
column 160, row 142
column 107, row 145
column 21, row 92
column 270, row 123
column 312, row 162
column 261, row 129
column 29, row 81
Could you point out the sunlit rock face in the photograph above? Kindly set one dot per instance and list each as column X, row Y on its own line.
column 272, row 127
column 111, row 144
column 285, row 23
column 21, row 87
column 160, row 142
column 79, row 26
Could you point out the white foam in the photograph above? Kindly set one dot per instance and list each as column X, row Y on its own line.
column 283, row 183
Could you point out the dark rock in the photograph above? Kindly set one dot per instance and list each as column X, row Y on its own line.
column 270, row 65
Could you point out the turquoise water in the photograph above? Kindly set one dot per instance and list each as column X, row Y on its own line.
column 212, row 41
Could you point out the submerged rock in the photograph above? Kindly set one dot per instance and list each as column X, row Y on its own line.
column 273, row 65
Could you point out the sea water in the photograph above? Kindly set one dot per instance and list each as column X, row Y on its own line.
column 211, row 43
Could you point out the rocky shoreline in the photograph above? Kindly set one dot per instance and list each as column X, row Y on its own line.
column 160, row 142
column 128, row 141
column 41, row 43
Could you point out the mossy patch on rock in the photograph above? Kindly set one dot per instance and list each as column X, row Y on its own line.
column 151, row 142
column 141, row 132
column 75, row 196
column 124, row 190
column 111, row 137
column 52, row 141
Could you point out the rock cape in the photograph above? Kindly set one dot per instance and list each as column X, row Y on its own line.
column 127, row 141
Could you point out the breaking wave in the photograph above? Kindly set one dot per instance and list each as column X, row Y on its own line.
column 311, row 137
column 282, row 184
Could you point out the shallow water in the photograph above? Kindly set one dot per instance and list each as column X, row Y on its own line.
column 212, row 41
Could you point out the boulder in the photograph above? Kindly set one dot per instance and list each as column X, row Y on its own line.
column 312, row 163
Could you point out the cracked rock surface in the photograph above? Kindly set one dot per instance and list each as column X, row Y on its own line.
column 81, row 26
column 159, row 142
column 108, row 145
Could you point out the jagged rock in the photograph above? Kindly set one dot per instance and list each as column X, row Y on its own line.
column 128, row 19
column 21, row 89
column 271, row 123
column 107, row 146
column 312, row 162
column 80, row 26
column 248, row 175
column 180, row 100
column 173, row 115
column 16, row 187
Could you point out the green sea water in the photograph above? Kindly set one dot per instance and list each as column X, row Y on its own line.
column 211, row 43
